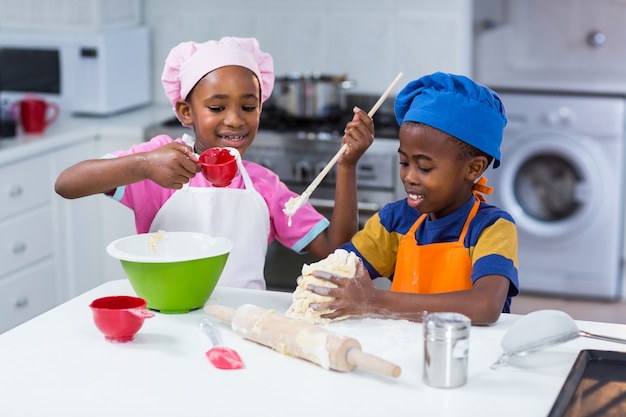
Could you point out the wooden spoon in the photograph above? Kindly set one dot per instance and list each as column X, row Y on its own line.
column 294, row 204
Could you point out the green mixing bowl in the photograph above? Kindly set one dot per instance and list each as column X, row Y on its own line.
column 175, row 272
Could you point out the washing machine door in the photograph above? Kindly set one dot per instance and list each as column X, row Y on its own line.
column 549, row 185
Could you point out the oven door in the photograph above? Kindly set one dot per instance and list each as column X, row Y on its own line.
column 283, row 266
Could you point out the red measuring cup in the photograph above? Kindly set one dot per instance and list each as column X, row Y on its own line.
column 219, row 166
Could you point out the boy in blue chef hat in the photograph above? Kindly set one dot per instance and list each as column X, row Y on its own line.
column 443, row 246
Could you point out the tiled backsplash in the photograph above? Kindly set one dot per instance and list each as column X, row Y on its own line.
column 370, row 40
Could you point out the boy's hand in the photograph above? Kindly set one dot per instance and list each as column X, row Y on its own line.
column 359, row 135
column 352, row 297
column 171, row 165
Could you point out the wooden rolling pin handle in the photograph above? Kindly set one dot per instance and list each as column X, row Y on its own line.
column 372, row 363
column 220, row 312
column 300, row 339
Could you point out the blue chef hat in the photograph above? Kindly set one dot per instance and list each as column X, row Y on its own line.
column 457, row 106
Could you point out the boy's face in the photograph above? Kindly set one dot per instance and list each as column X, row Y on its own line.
column 436, row 180
column 224, row 109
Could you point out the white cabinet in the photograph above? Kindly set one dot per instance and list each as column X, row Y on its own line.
column 116, row 219
column 27, row 276
column 77, row 227
column 48, row 245
column 26, row 238
column 87, row 225
column 27, row 293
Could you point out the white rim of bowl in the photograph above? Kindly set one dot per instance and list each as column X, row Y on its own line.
column 225, row 244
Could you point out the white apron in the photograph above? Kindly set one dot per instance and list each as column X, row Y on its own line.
column 240, row 215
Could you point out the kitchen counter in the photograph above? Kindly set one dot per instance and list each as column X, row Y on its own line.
column 70, row 129
column 58, row 363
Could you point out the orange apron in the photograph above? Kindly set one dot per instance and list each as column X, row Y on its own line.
column 438, row 267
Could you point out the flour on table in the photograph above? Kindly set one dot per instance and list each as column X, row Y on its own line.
column 342, row 263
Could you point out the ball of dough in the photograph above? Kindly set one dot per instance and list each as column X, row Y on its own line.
column 340, row 262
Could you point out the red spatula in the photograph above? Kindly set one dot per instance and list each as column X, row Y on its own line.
column 221, row 357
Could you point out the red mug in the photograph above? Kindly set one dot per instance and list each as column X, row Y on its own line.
column 37, row 114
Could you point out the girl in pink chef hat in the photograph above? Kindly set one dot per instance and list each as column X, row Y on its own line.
column 218, row 88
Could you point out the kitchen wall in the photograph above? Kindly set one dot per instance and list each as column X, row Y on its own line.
column 371, row 40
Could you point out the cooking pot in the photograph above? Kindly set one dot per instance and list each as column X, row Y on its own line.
column 311, row 95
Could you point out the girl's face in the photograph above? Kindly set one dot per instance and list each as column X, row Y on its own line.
column 224, row 109
column 435, row 179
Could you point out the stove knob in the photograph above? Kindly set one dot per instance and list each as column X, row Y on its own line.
column 302, row 171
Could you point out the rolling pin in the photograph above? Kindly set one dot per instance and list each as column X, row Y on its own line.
column 300, row 339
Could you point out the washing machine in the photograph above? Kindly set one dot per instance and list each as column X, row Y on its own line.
column 562, row 180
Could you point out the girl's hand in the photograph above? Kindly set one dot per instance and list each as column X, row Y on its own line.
column 359, row 135
column 352, row 297
column 171, row 165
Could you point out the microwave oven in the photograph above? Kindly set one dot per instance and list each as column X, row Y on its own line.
column 95, row 73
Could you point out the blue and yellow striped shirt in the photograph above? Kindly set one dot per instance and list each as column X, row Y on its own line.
column 491, row 240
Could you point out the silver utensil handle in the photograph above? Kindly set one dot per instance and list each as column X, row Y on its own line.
column 600, row 337
column 209, row 329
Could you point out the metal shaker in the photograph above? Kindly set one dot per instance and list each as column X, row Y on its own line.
column 446, row 349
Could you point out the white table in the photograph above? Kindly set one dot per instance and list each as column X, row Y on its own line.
column 59, row 364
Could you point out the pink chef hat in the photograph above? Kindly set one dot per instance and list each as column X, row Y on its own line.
column 188, row 62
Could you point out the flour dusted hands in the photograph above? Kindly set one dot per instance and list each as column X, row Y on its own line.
column 313, row 299
column 346, row 297
column 171, row 165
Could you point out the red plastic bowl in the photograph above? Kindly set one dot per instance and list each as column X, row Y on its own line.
column 219, row 166
column 119, row 317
